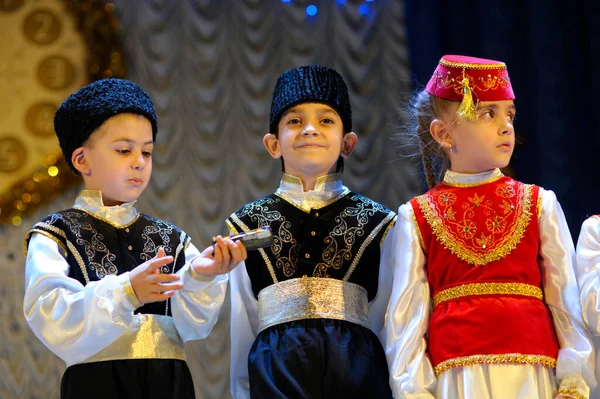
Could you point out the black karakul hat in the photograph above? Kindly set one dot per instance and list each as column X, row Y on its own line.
column 311, row 83
column 86, row 109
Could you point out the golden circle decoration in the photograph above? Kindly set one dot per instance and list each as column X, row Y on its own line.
column 12, row 154
column 56, row 72
column 42, row 27
column 11, row 5
column 40, row 119
column 49, row 49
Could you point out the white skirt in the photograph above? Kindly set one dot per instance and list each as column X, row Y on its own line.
column 497, row 381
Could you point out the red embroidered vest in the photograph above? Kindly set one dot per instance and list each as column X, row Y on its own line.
column 482, row 243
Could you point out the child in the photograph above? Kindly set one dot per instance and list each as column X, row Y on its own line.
column 588, row 267
column 306, row 311
column 484, row 299
column 112, row 292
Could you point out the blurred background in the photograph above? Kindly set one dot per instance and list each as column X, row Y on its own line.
column 210, row 66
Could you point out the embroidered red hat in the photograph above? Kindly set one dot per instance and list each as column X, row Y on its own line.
column 469, row 80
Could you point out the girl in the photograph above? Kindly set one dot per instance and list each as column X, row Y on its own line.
column 484, row 303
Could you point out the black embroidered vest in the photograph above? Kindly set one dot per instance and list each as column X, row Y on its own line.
column 95, row 248
column 340, row 240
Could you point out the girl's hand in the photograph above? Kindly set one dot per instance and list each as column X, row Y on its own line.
column 220, row 258
column 149, row 284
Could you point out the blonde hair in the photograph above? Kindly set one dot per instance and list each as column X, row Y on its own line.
column 416, row 117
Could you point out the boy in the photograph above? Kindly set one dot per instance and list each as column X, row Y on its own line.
column 112, row 292
column 305, row 311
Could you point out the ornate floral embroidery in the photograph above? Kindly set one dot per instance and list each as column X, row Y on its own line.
column 340, row 249
column 481, row 84
column 505, row 191
column 260, row 213
column 105, row 265
column 347, row 233
column 479, row 230
column 286, row 263
column 150, row 247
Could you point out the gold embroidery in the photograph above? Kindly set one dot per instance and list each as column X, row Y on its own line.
column 366, row 243
column 572, row 392
column 79, row 260
column 183, row 241
column 149, row 337
column 452, row 64
column 467, row 243
column 473, row 289
column 491, row 82
column 44, row 233
column 312, row 298
column 130, row 294
column 262, row 252
column 320, row 180
column 231, row 227
column 495, row 359
column 481, row 183
column 113, row 224
column 316, row 207
column 387, row 229
column 149, row 245
column 539, row 205
column 362, row 209
column 70, row 247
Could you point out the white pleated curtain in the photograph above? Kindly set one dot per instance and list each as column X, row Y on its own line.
column 210, row 67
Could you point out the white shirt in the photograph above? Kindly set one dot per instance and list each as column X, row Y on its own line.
column 76, row 322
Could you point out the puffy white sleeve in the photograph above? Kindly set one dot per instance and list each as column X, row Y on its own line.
column 575, row 363
column 588, row 272
column 195, row 308
column 244, row 329
column 378, row 306
column 73, row 321
column 588, row 277
column 411, row 372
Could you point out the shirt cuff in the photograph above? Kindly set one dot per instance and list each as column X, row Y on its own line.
column 573, row 386
column 198, row 277
column 130, row 293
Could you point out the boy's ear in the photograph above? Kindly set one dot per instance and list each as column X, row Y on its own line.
column 439, row 131
column 80, row 162
column 348, row 144
column 272, row 145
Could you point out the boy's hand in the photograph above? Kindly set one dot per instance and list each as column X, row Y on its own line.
column 220, row 258
column 149, row 284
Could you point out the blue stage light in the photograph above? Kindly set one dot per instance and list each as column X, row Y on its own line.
column 341, row 2
column 312, row 10
column 364, row 9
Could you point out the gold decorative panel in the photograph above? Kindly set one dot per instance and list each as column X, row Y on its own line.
column 49, row 49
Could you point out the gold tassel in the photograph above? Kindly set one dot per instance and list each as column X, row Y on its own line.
column 467, row 107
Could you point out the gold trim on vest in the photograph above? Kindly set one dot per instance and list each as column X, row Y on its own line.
column 474, row 289
column 495, row 359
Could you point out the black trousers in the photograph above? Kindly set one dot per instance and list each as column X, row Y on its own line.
column 128, row 379
column 318, row 358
